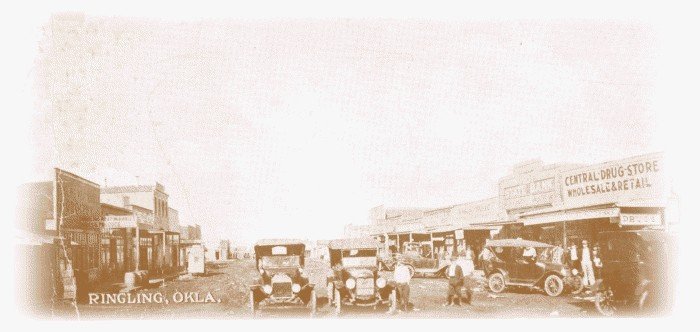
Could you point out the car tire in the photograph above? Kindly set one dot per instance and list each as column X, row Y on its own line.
column 412, row 270
column 603, row 303
column 577, row 285
column 553, row 285
column 497, row 283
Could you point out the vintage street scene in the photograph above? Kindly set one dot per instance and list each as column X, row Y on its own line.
column 354, row 168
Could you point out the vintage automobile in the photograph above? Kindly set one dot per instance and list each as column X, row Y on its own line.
column 508, row 267
column 422, row 260
column 355, row 280
column 636, row 272
column 282, row 282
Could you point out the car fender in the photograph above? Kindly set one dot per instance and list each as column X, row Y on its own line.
column 501, row 271
column 253, row 287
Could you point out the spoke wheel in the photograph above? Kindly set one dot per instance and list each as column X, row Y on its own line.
column 604, row 303
column 553, row 285
column 577, row 286
column 497, row 283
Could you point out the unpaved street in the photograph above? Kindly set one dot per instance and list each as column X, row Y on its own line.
column 227, row 282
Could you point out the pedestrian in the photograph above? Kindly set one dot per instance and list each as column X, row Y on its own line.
column 467, row 265
column 402, row 277
column 587, row 265
column 573, row 257
column 455, row 281
column 597, row 262
column 470, row 253
column 557, row 253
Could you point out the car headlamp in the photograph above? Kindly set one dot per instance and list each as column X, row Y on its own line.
column 350, row 283
column 267, row 289
column 574, row 272
column 296, row 288
column 381, row 282
column 564, row 272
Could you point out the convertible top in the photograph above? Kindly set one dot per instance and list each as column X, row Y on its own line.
column 358, row 243
column 516, row 243
column 278, row 242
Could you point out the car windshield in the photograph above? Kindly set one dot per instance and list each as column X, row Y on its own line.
column 359, row 257
column 280, row 261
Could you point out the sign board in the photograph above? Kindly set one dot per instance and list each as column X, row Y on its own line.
column 639, row 219
column 112, row 221
column 613, row 182
column 195, row 260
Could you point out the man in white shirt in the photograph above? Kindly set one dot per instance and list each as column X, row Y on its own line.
column 402, row 277
column 530, row 253
column 587, row 265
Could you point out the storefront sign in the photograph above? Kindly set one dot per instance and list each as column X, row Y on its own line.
column 120, row 221
column 558, row 216
column 637, row 219
column 618, row 181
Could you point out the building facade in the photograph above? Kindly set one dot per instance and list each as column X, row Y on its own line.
column 149, row 226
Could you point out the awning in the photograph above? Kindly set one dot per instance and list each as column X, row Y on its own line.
column 571, row 215
column 643, row 203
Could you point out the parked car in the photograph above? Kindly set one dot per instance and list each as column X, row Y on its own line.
column 508, row 267
column 355, row 280
column 422, row 260
column 636, row 272
column 282, row 281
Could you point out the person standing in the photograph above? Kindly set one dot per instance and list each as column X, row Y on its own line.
column 587, row 265
column 557, row 254
column 573, row 257
column 456, row 280
column 402, row 277
column 597, row 262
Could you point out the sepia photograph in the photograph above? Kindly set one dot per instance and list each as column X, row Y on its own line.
column 269, row 165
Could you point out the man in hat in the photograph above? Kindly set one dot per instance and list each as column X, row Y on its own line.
column 455, row 283
column 402, row 277
column 587, row 265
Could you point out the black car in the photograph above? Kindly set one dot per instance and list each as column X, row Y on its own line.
column 282, row 281
column 509, row 267
column 636, row 272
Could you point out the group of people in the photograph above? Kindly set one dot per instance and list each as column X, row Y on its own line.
column 584, row 259
column 459, row 273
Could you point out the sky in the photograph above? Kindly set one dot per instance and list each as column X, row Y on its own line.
column 295, row 128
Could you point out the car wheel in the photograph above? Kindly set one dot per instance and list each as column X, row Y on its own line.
column 604, row 303
column 412, row 270
column 312, row 303
column 553, row 285
column 497, row 283
column 577, row 285
column 338, row 302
